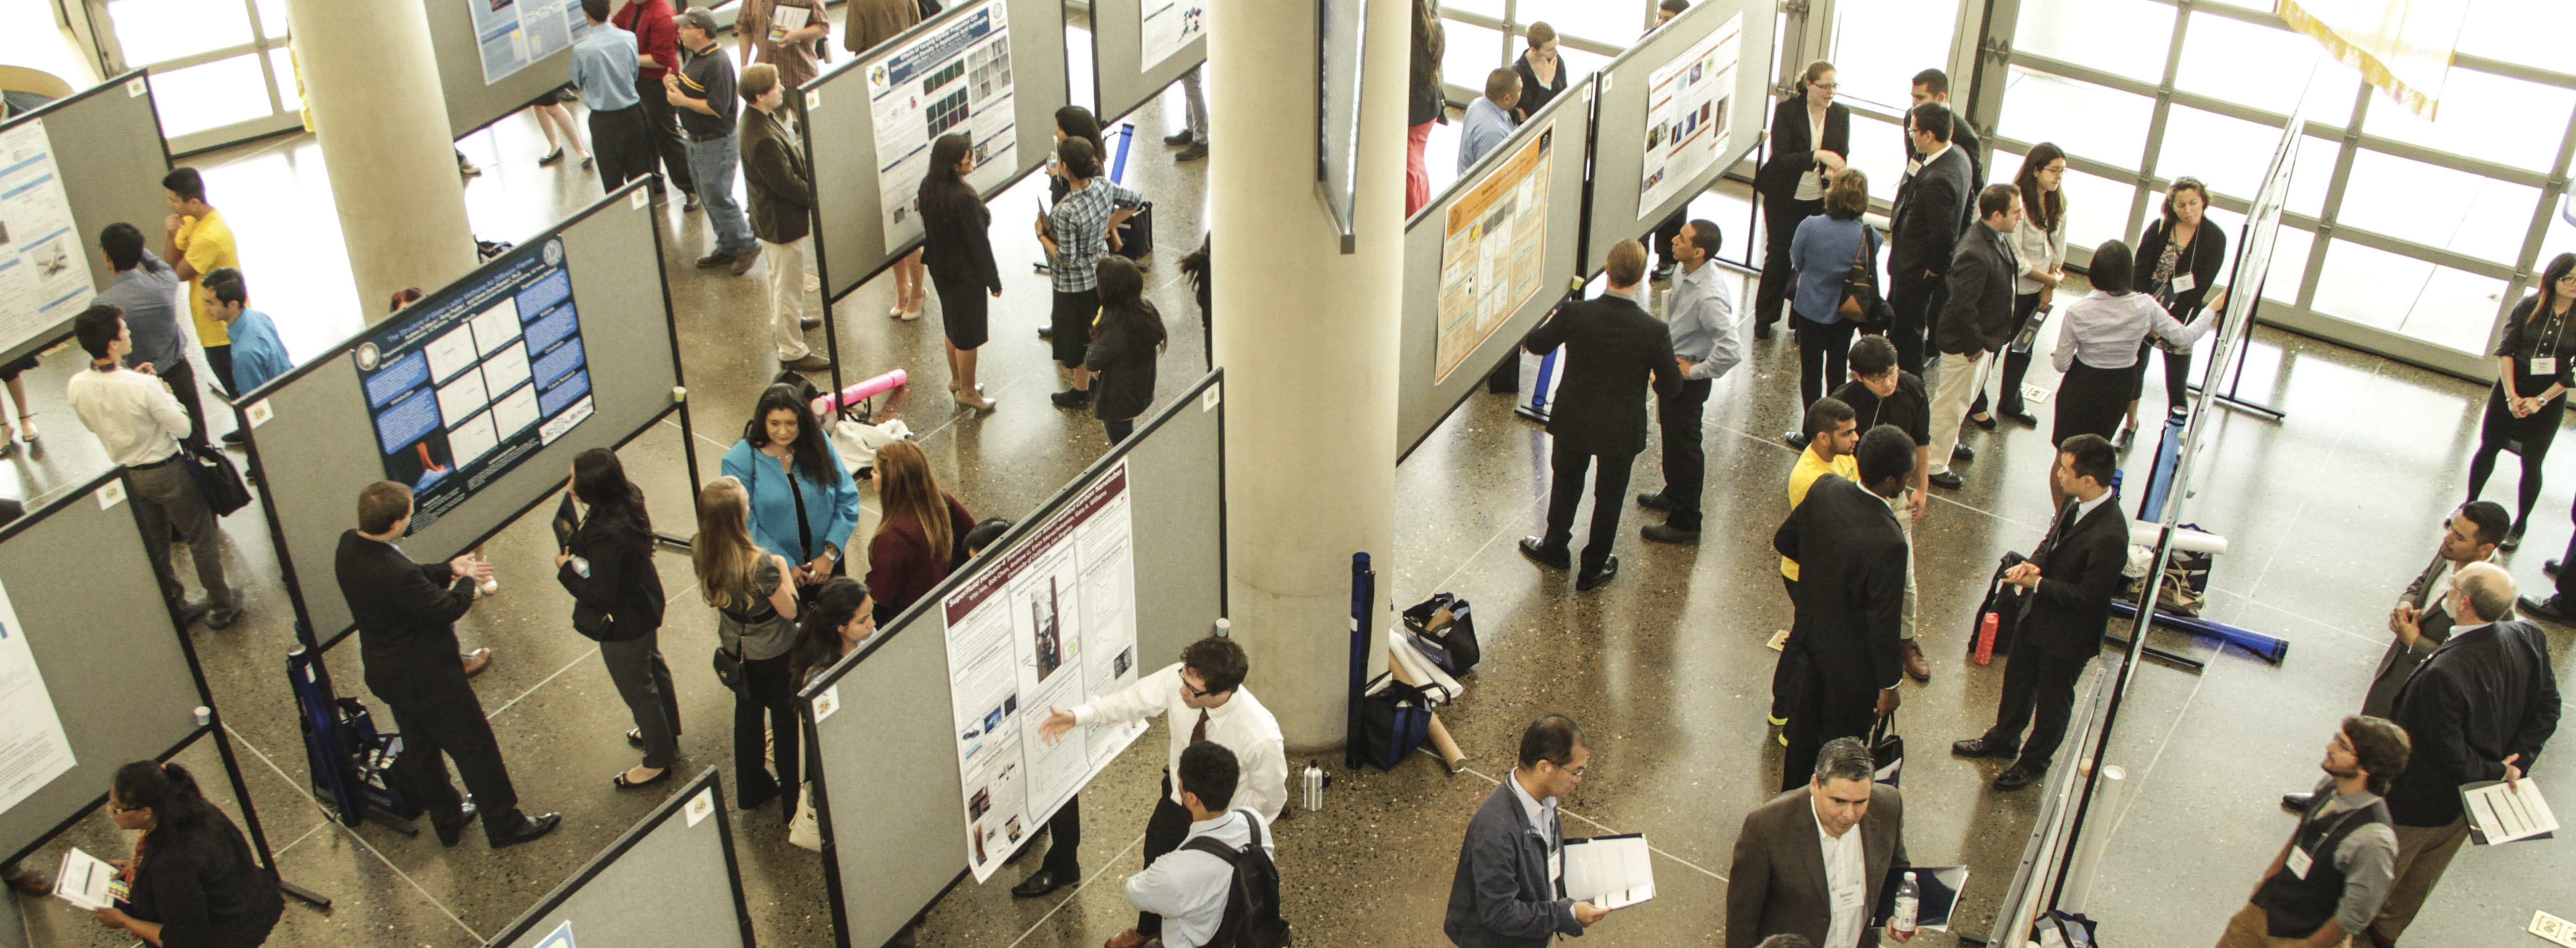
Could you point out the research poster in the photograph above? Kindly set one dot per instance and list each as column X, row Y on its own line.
column 33, row 750
column 1493, row 250
column 44, row 272
column 1169, row 25
column 1050, row 625
column 516, row 34
column 469, row 383
column 955, row 80
column 1687, row 103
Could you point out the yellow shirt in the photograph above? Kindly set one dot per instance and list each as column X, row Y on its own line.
column 1804, row 476
column 207, row 243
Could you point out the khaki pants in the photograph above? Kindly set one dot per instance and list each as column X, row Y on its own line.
column 786, row 277
column 1899, row 503
column 2249, row 929
column 2423, row 852
column 1962, row 376
column 166, row 498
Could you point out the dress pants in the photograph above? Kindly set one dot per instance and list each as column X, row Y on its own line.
column 1790, row 671
column 623, row 146
column 2423, row 852
column 1824, row 355
column 1685, row 458
column 1565, row 493
column 1164, row 832
column 1914, row 300
column 166, row 498
column 785, row 264
column 442, row 717
column 1961, row 377
column 765, row 698
column 2034, row 678
column 644, row 681
column 667, row 146
column 182, row 379
column 2251, row 927
column 1194, row 102
column 220, row 360
column 1781, row 216
column 1830, row 703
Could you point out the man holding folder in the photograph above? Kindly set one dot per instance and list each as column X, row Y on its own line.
column 1812, row 861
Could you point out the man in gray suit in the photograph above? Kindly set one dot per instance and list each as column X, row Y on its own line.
column 1976, row 322
column 1510, row 887
column 1811, row 861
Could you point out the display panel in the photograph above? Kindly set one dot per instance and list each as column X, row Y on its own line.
column 1493, row 249
column 67, row 170
column 1679, row 108
column 953, row 79
column 515, row 34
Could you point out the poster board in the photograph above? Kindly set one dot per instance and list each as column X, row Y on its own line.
column 496, row 57
column 67, row 170
column 312, row 419
column 995, row 68
column 1677, row 109
column 83, row 603
column 654, row 886
column 1140, row 47
column 1487, row 259
column 899, row 843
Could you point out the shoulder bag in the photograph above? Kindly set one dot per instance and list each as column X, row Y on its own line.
column 1862, row 303
column 216, row 477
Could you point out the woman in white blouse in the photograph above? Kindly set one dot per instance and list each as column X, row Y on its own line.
column 2041, row 240
column 2098, row 349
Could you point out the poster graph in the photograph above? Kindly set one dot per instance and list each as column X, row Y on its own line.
column 1493, row 250
column 44, row 272
column 956, row 79
column 1688, row 103
column 516, row 34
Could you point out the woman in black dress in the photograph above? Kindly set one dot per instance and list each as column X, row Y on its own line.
column 2178, row 261
column 959, row 253
column 1810, row 137
column 1125, row 338
column 2535, row 366
column 192, row 882
column 1542, row 73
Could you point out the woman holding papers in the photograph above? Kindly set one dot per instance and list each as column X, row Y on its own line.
column 192, row 882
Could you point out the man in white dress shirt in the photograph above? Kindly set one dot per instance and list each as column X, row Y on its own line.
column 140, row 423
column 1840, row 829
column 1189, row 886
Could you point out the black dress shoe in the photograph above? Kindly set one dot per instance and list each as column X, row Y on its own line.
column 1655, row 501
column 2297, row 802
column 635, row 737
column 2018, row 777
column 2512, row 539
column 756, row 799
column 1044, row 882
column 2121, row 443
column 451, row 834
column 1545, row 555
column 1797, row 439
column 1177, row 139
column 1667, row 533
column 2552, row 609
column 1946, row 480
column 1046, row 333
column 2020, row 417
column 2549, row 568
column 1762, row 330
column 528, row 831
column 690, row 203
column 1595, row 579
column 235, row 436
column 714, row 260
column 1196, row 151
column 1987, row 423
column 1977, row 747
column 1961, row 452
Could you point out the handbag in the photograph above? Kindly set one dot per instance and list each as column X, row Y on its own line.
column 1395, row 719
column 216, row 477
column 2003, row 606
column 1888, row 750
column 1862, row 302
column 806, row 830
column 1455, row 634
column 728, row 668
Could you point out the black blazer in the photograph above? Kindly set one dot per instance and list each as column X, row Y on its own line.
column 2487, row 694
column 1794, row 144
column 1534, row 94
column 1963, row 136
column 1126, row 366
column 2079, row 572
column 2204, row 258
column 1851, row 553
column 622, row 580
column 1501, row 896
column 956, row 245
column 1929, row 217
column 205, row 889
column 406, row 614
column 1611, row 349
column 1979, row 316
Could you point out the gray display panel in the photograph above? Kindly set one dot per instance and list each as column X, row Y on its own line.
column 656, row 885
column 108, row 150
column 1121, row 80
column 318, row 424
column 1620, row 141
column 1437, row 375
column 841, row 145
column 471, row 102
column 899, row 842
column 92, row 613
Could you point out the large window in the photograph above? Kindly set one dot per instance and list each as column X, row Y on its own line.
column 220, row 68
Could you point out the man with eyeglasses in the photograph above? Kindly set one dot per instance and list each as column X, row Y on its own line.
column 1202, row 698
column 1511, row 868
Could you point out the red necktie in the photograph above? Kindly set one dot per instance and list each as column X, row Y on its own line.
column 1199, row 733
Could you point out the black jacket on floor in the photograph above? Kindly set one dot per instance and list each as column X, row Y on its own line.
column 1613, row 353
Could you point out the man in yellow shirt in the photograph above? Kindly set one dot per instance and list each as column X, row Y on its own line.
column 200, row 243
column 1833, row 432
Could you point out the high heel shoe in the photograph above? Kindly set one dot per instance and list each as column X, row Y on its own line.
column 975, row 400
column 27, row 429
column 625, row 784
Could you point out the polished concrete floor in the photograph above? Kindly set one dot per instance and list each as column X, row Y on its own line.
column 2330, row 512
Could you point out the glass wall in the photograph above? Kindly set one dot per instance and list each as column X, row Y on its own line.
column 220, row 69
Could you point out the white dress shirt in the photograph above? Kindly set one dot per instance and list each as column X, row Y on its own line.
column 133, row 414
column 1188, row 888
column 1846, row 881
column 1542, row 818
column 1241, row 724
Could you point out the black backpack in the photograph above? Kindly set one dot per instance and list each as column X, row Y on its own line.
column 1252, row 902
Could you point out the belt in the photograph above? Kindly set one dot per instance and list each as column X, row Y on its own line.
column 174, row 455
column 717, row 137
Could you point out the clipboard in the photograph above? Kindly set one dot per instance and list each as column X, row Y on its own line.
column 2499, row 815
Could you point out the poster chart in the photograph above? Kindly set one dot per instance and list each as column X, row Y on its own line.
column 468, row 384
column 515, row 34
column 955, row 79
column 44, row 272
column 1050, row 625
column 1169, row 25
column 1493, row 249
column 1687, row 107
column 33, row 750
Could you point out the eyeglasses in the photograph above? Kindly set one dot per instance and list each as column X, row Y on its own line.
column 1190, row 692
column 1827, row 86
column 113, row 808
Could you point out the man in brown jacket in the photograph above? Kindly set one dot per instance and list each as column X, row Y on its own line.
column 782, row 203
column 1811, row 861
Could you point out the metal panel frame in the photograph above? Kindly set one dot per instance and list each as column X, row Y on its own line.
column 678, row 801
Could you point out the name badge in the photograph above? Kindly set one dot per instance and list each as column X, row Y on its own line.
column 2299, row 863
column 2544, row 365
column 2183, row 282
column 1556, row 865
column 1913, row 166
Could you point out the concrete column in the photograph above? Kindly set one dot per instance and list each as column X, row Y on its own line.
column 371, row 85
column 1309, row 342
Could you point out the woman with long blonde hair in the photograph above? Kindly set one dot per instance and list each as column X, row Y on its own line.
column 916, row 544
column 755, row 625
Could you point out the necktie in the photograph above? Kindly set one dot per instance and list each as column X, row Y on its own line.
column 1199, row 733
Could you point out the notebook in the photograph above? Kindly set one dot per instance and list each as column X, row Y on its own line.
column 1609, row 871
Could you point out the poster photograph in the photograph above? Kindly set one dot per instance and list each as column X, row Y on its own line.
column 1493, row 250
column 1688, row 101
column 955, row 79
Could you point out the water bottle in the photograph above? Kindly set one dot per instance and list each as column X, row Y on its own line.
column 1313, row 780
column 1986, row 631
column 1909, row 898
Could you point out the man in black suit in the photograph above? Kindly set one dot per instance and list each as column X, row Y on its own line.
column 1933, row 85
column 2067, row 586
column 406, row 614
column 1851, row 557
column 1930, row 212
column 1976, row 320
column 1612, row 348
column 2479, row 709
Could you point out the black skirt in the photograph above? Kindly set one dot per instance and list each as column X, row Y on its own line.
column 962, row 311
column 1071, row 320
column 2529, row 437
column 2091, row 401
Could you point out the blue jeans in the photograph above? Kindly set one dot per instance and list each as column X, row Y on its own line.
column 712, row 164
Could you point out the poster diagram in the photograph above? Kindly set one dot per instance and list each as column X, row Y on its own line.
column 516, row 34
column 1688, row 101
column 1493, row 250
column 1049, row 625
column 1169, row 25
column 954, row 80
column 44, row 272
column 31, row 733
column 469, row 383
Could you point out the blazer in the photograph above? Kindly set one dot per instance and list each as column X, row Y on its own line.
column 205, row 889
column 1502, row 896
column 1612, row 349
column 1963, row 137
column 1979, row 315
column 2079, row 572
column 2487, row 694
column 622, row 580
column 876, row 21
column 901, row 565
column 1778, row 886
column 1851, row 553
column 1928, row 218
column 774, row 175
column 2204, row 258
column 1794, row 143
column 1535, row 95
column 2400, row 660
column 957, row 243
column 1126, row 366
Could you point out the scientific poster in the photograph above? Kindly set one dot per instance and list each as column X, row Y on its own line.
column 516, row 34
column 33, row 750
column 957, row 79
column 1050, row 625
column 1493, row 250
column 1169, row 25
column 470, row 382
column 44, row 272
column 1687, row 103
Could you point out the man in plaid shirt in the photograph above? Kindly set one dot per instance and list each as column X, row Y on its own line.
column 1077, row 233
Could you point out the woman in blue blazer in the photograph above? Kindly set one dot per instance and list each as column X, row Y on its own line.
column 803, row 503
